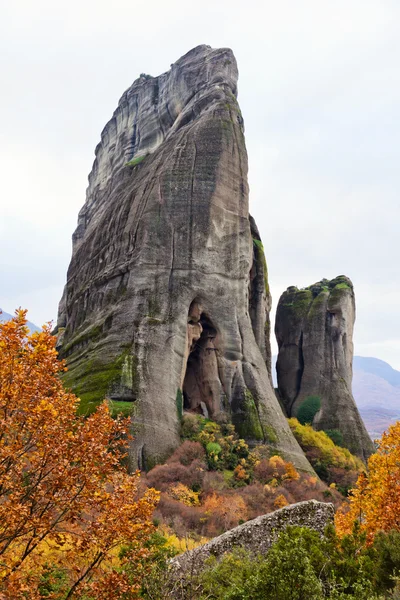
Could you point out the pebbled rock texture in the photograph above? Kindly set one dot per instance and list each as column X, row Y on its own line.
column 257, row 535
column 166, row 304
column 314, row 331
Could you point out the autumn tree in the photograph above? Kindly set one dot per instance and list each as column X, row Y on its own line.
column 375, row 500
column 66, row 503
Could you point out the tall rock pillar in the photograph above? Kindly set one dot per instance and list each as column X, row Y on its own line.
column 167, row 297
column 314, row 331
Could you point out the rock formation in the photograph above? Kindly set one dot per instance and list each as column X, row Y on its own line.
column 166, row 304
column 257, row 535
column 314, row 331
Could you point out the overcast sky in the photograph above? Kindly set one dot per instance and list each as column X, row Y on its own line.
column 319, row 89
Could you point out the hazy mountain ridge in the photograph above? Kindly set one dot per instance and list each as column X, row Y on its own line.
column 5, row 316
column 376, row 388
column 377, row 367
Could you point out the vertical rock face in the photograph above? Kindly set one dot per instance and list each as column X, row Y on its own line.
column 314, row 331
column 166, row 303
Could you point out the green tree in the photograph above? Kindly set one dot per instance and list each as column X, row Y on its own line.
column 308, row 409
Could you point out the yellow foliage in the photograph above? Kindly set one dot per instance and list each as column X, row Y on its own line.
column 276, row 462
column 183, row 494
column 332, row 454
column 182, row 544
column 291, row 472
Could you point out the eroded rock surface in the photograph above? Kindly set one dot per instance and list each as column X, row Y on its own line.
column 314, row 331
column 167, row 295
column 257, row 535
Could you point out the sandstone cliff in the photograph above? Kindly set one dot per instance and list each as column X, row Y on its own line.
column 166, row 306
column 314, row 331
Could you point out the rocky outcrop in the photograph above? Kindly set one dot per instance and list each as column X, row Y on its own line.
column 314, row 331
column 166, row 304
column 257, row 535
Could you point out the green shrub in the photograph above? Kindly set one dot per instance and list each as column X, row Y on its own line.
column 191, row 426
column 213, row 451
column 335, row 435
column 54, row 582
column 158, row 577
column 387, row 565
column 308, row 409
column 299, row 566
column 222, row 444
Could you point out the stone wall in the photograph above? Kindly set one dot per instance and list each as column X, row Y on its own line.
column 259, row 534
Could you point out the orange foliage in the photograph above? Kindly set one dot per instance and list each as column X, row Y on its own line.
column 240, row 474
column 274, row 471
column 375, row 500
column 280, row 501
column 225, row 512
column 61, row 480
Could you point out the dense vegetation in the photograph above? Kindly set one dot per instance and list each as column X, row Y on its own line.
column 214, row 482
column 75, row 524
column 300, row 566
column 333, row 464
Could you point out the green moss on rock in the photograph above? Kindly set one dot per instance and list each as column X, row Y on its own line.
column 342, row 286
column 248, row 425
column 91, row 380
column 93, row 333
column 179, row 403
column 341, row 280
column 120, row 408
column 135, row 161
column 261, row 260
column 270, row 434
column 317, row 303
column 296, row 303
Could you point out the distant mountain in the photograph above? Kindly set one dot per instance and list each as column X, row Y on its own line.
column 376, row 389
column 4, row 316
column 377, row 367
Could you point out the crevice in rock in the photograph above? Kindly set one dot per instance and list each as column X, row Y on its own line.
column 191, row 208
column 299, row 373
column 201, row 384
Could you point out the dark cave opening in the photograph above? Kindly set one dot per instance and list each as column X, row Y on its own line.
column 201, row 383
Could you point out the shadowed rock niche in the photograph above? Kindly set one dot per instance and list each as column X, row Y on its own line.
column 314, row 331
column 167, row 290
column 202, row 389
